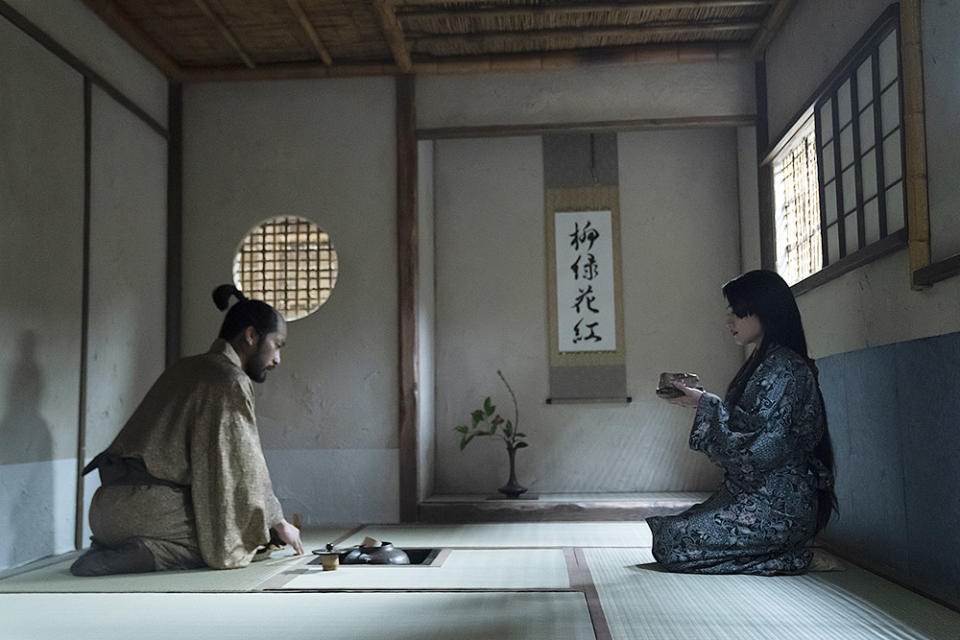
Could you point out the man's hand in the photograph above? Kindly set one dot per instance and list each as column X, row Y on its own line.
column 290, row 535
column 690, row 397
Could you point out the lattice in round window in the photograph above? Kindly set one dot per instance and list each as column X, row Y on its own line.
column 289, row 263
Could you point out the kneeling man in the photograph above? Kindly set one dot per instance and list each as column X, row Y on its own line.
column 184, row 485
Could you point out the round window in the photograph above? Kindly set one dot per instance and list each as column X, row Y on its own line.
column 289, row 263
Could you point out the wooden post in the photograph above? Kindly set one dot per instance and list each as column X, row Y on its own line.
column 84, row 309
column 174, row 219
column 768, row 239
column 407, row 267
column 915, row 139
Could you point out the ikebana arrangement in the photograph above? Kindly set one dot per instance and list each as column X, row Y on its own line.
column 487, row 422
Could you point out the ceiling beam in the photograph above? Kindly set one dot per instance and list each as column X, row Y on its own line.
column 542, row 129
column 624, row 56
column 430, row 9
column 225, row 32
column 108, row 11
column 771, row 24
column 587, row 32
column 394, row 34
column 298, row 11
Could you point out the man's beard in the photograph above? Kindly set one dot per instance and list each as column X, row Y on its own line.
column 256, row 369
column 260, row 375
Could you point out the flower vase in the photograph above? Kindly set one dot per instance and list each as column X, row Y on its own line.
column 512, row 489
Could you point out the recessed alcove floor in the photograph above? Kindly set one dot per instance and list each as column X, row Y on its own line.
column 557, row 580
column 584, row 506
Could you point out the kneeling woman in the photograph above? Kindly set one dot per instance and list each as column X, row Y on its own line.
column 769, row 435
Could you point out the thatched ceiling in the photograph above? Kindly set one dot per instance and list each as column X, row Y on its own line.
column 194, row 40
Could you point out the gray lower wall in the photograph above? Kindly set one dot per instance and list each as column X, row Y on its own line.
column 893, row 412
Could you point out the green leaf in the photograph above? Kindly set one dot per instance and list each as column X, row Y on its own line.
column 518, row 434
column 521, row 445
column 508, row 429
column 488, row 407
column 493, row 429
column 461, row 428
column 466, row 440
column 477, row 417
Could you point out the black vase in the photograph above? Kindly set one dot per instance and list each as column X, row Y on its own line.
column 512, row 489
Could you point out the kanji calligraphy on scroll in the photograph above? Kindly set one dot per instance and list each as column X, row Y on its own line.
column 586, row 309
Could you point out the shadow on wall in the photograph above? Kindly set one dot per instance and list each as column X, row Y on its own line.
column 27, row 442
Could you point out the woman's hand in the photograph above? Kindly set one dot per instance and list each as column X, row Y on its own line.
column 290, row 535
column 690, row 397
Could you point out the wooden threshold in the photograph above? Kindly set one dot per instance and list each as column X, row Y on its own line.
column 478, row 509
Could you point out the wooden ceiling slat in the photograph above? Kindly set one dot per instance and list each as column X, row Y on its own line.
column 394, row 34
column 495, row 38
column 136, row 37
column 224, row 30
column 310, row 31
column 645, row 54
column 288, row 38
column 412, row 6
column 771, row 25
column 432, row 9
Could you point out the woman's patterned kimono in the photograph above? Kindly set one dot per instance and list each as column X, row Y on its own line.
column 766, row 509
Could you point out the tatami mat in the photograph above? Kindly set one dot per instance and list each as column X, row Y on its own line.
column 519, row 534
column 56, row 577
column 462, row 569
column 640, row 602
column 295, row 616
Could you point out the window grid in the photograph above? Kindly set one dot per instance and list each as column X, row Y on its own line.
column 862, row 195
column 289, row 263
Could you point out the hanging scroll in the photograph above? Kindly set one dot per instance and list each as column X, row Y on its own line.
column 587, row 354
column 586, row 313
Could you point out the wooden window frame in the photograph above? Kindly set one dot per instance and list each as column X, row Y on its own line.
column 294, row 276
column 888, row 243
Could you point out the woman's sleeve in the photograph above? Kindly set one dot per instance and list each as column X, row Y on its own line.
column 233, row 499
column 784, row 418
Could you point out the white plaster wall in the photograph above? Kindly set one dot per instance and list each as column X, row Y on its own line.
column 80, row 31
column 41, row 208
column 749, row 198
column 128, row 235
column 426, row 313
column 941, row 70
column 679, row 212
column 811, row 43
column 874, row 305
column 324, row 150
column 593, row 94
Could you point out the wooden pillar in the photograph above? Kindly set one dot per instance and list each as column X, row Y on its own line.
column 407, row 268
column 84, row 308
column 174, row 219
column 768, row 239
column 915, row 139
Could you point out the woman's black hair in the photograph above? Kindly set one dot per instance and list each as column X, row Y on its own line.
column 245, row 313
column 766, row 295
